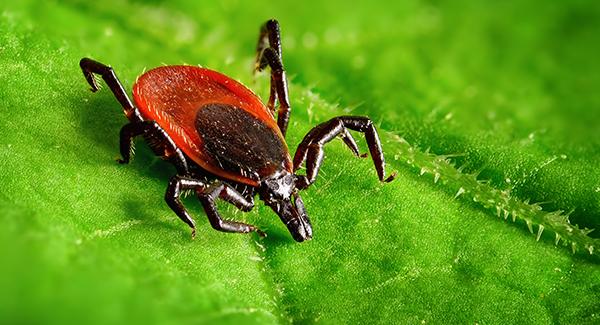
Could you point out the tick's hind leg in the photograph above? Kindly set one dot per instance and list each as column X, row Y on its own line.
column 89, row 67
column 268, row 53
column 311, row 147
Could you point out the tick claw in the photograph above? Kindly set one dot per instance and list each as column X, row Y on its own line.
column 93, row 85
column 193, row 233
column 364, row 155
column 391, row 177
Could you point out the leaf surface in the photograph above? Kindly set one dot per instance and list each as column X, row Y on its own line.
column 509, row 87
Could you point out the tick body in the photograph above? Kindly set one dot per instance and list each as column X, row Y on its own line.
column 217, row 122
column 224, row 142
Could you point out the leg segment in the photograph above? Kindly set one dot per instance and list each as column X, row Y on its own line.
column 89, row 67
column 207, row 196
column 160, row 142
column 177, row 185
column 137, row 126
column 311, row 147
column 351, row 143
column 269, row 36
column 268, row 53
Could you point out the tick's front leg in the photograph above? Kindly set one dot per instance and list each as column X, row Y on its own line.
column 310, row 149
column 208, row 197
column 208, row 194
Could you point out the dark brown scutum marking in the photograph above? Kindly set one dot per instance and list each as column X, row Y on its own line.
column 238, row 141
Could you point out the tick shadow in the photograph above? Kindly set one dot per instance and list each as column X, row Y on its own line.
column 151, row 221
column 277, row 237
column 100, row 119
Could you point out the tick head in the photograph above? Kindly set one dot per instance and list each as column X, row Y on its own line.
column 279, row 192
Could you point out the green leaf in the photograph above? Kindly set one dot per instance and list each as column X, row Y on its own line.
column 495, row 104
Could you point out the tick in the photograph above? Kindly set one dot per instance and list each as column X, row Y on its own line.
column 224, row 142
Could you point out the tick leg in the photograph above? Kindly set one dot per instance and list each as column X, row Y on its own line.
column 268, row 53
column 128, row 132
column 177, row 185
column 208, row 197
column 311, row 147
column 89, row 67
column 269, row 36
column 158, row 140
column 351, row 143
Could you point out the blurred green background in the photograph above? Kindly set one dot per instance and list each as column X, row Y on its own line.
column 512, row 86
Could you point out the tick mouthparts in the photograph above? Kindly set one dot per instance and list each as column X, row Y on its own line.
column 295, row 219
column 300, row 229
